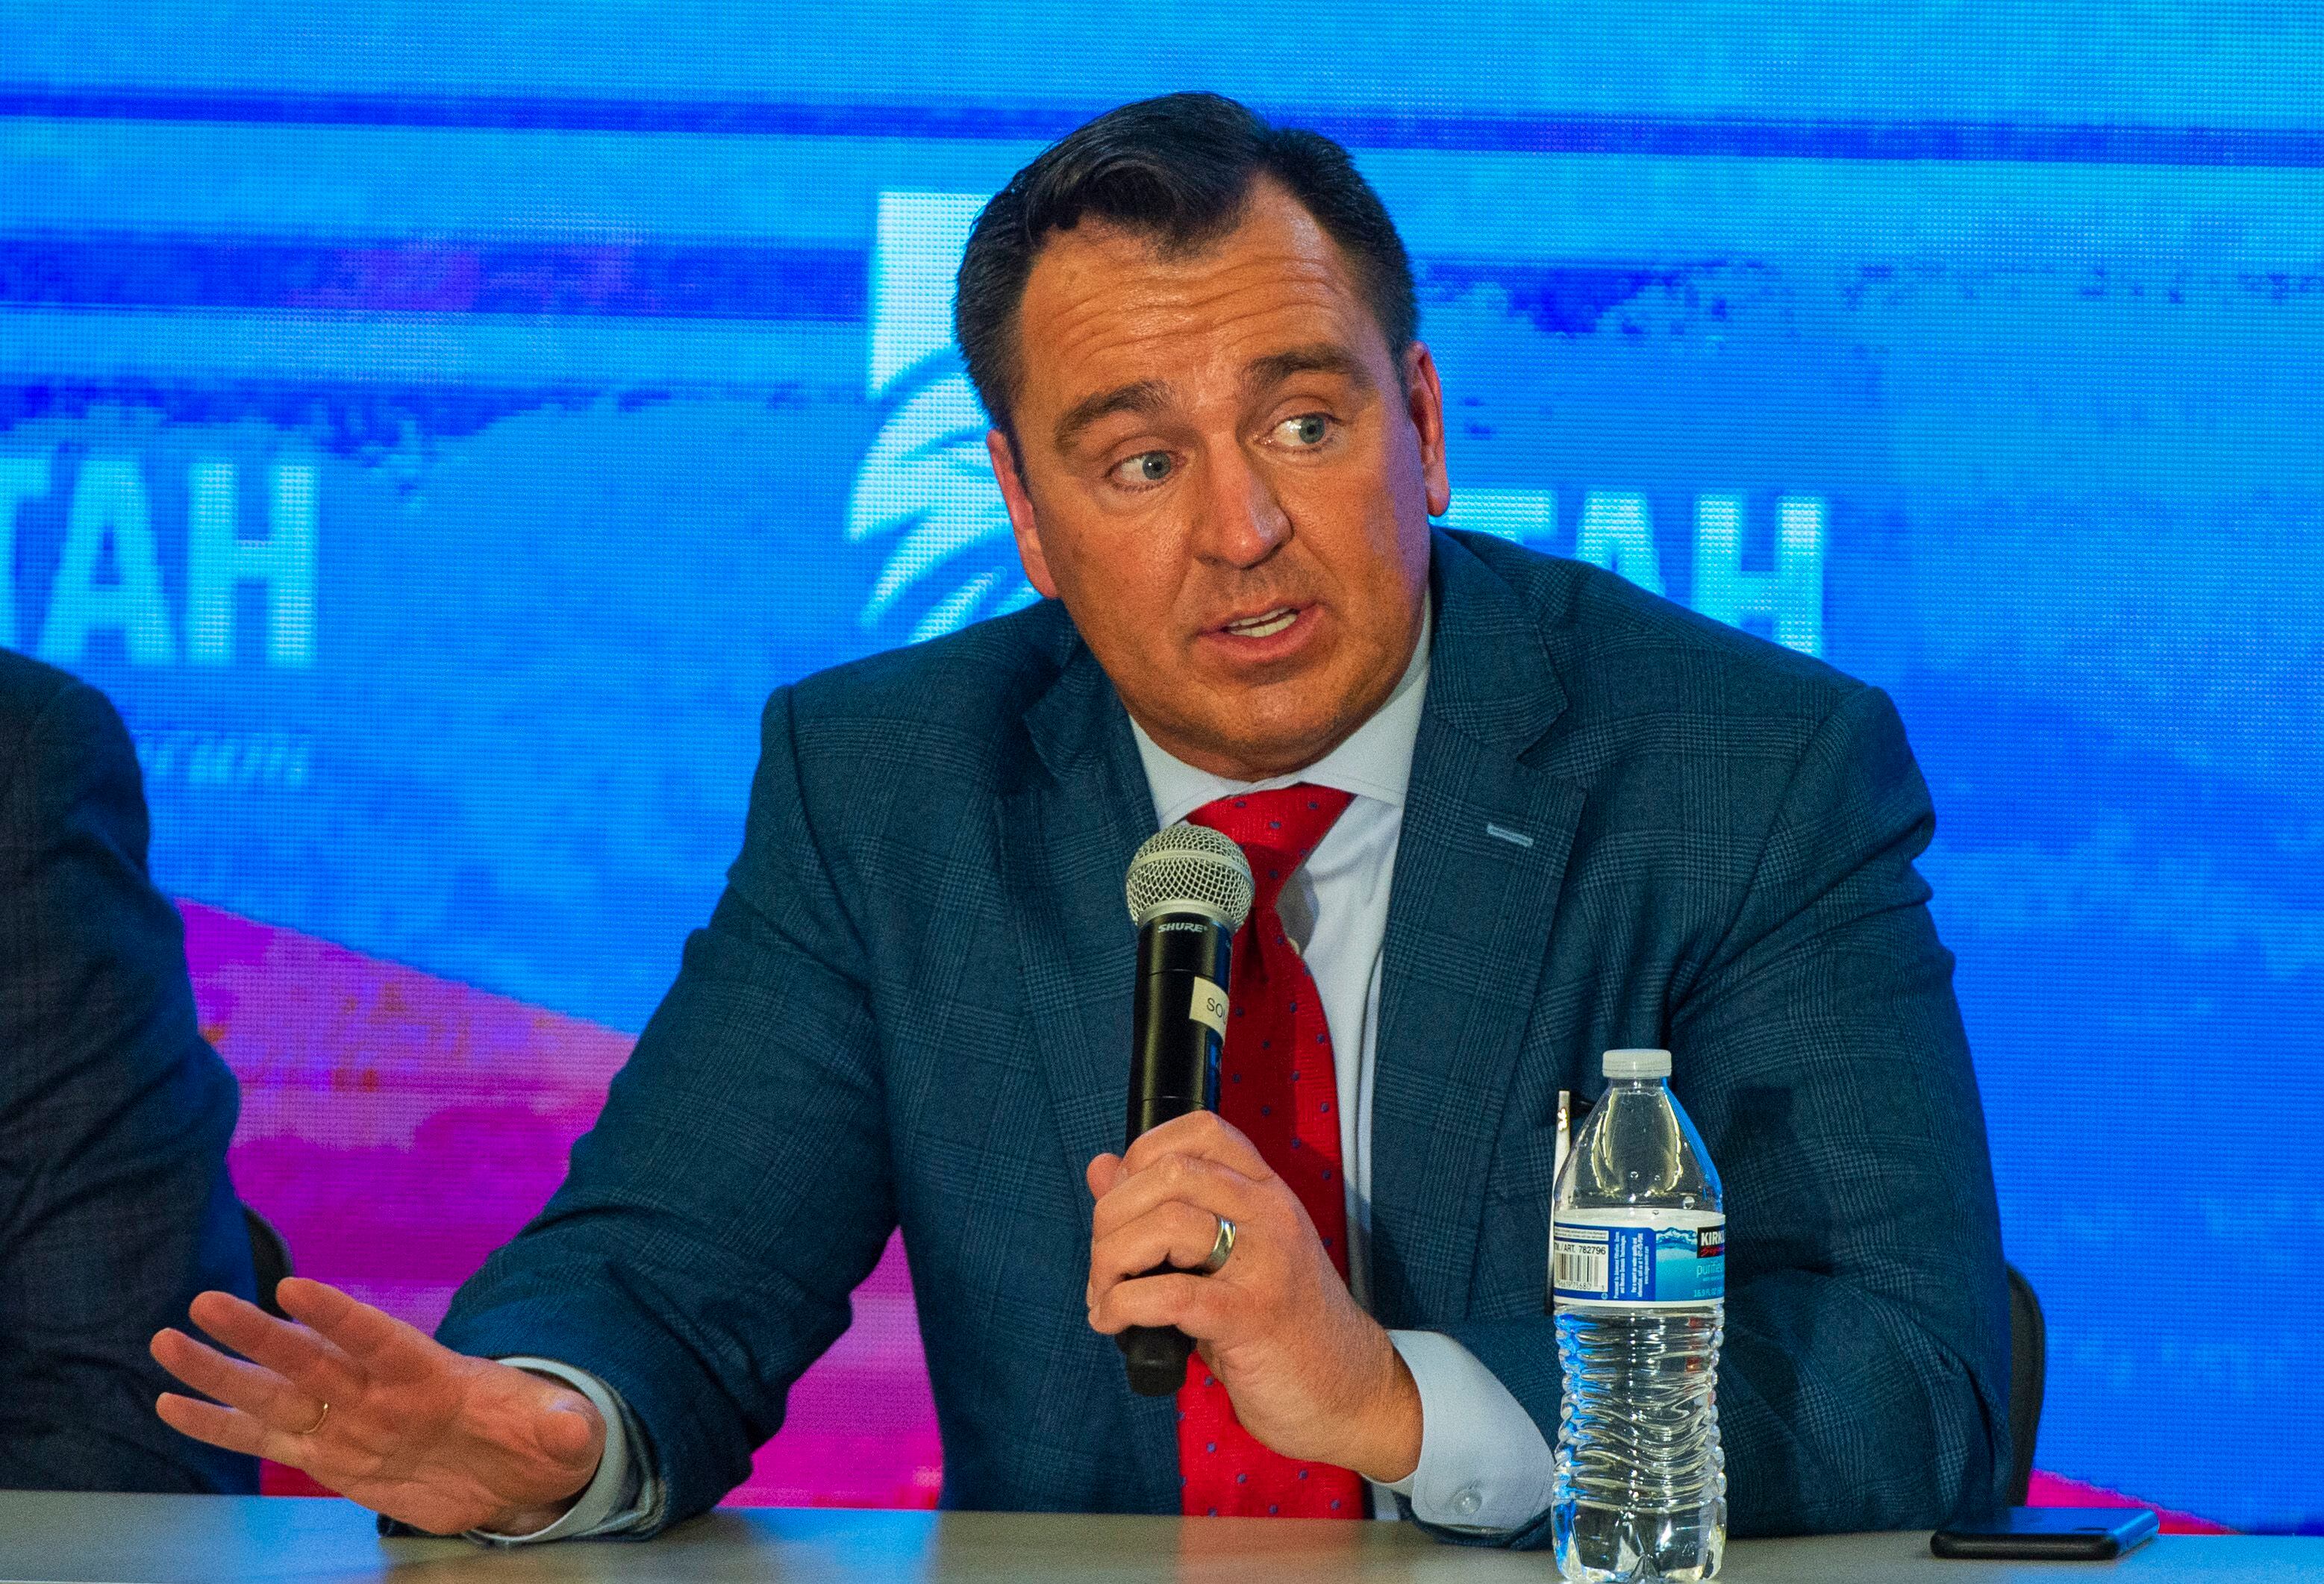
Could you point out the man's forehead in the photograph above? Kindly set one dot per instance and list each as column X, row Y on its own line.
column 1105, row 306
column 1084, row 310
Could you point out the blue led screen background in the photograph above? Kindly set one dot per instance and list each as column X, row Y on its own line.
column 438, row 428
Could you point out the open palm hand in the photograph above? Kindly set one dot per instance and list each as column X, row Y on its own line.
column 380, row 1413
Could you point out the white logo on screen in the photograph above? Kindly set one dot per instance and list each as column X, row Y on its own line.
column 926, row 487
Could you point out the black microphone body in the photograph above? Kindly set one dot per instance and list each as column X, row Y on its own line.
column 1178, row 1029
column 1179, row 1019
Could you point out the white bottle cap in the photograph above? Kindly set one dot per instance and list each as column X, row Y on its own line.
column 1637, row 1064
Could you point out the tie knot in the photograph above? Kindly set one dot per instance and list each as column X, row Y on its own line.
column 1276, row 830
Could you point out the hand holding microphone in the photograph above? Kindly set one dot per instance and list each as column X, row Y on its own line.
column 1310, row 1374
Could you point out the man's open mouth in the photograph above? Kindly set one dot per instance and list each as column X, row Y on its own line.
column 1264, row 625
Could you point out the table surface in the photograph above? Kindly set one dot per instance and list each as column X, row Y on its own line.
column 76, row 1539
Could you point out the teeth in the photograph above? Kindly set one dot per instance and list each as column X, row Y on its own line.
column 1266, row 626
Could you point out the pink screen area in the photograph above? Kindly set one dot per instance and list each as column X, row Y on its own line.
column 398, row 1128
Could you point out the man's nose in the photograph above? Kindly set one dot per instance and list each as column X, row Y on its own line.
column 1243, row 522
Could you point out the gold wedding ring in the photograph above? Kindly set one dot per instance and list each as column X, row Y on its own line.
column 311, row 1429
column 1222, row 1245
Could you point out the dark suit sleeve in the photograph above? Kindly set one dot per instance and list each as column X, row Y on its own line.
column 736, row 1188
column 114, row 1114
column 1863, row 1383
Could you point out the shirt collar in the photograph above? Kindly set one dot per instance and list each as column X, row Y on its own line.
column 1375, row 761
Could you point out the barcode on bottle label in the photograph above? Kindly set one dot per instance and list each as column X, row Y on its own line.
column 1645, row 1266
column 1579, row 1263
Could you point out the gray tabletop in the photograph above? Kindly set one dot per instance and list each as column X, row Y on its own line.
column 208, row 1540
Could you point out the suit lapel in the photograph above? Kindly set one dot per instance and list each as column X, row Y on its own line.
column 1065, row 837
column 1478, row 870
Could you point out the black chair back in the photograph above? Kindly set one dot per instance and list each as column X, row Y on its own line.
column 2029, row 1356
column 270, row 1255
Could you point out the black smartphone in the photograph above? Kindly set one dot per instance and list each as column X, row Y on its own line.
column 2038, row 1534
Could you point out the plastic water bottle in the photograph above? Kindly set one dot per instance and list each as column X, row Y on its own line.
column 1639, row 1271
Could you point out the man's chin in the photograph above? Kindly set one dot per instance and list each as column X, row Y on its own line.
column 1257, row 742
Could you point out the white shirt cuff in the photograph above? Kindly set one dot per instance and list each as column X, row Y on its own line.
column 1484, row 1467
column 614, row 1500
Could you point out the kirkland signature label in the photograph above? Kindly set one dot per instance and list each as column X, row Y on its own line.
column 1661, row 1266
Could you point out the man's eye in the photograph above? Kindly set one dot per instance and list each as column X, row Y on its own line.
column 1308, row 430
column 1147, row 467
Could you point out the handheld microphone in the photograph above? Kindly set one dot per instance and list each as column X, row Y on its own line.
column 1189, row 889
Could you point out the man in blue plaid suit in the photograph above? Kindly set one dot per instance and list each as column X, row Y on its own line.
column 114, row 1205
column 1578, row 818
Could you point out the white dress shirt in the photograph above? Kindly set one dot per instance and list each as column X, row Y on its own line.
column 1484, row 1465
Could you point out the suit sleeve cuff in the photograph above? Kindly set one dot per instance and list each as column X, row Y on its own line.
column 1484, row 1468
column 619, row 1497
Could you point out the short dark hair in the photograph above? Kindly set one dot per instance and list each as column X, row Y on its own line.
column 1178, row 169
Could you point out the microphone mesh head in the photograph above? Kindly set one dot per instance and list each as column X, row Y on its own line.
column 1190, row 867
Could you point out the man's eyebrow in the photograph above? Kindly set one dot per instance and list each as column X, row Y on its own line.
column 1145, row 398
column 1321, row 357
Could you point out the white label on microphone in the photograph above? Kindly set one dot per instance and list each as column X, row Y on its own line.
column 1209, row 1005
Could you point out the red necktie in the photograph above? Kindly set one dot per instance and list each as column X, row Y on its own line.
column 1277, row 1083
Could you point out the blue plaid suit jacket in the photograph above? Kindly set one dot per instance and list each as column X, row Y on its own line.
column 114, row 1113
column 912, row 1007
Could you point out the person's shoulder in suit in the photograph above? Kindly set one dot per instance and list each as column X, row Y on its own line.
column 64, row 753
column 957, row 703
column 1624, row 656
column 26, row 684
column 902, row 752
column 33, row 695
column 114, row 1113
column 1713, row 747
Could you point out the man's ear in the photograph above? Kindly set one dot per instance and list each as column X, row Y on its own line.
column 1424, row 401
column 1021, row 512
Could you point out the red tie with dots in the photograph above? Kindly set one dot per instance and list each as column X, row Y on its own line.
column 1277, row 1085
